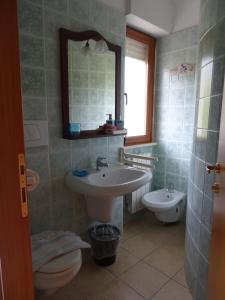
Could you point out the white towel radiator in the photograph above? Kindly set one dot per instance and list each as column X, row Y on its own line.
column 142, row 161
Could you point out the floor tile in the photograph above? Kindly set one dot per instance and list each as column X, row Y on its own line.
column 180, row 277
column 165, row 261
column 176, row 248
column 124, row 261
column 144, row 279
column 139, row 246
column 117, row 290
column 91, row 279
column 174, row 229
column 178, row 236
column 127, row 233
column 159, row 235
column 149, row 218
column 172, row 291
column 136, row 226
column 176, row 242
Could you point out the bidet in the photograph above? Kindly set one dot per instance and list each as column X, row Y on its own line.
column 168, row 205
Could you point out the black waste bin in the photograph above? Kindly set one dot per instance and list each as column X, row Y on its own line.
column 104, row 241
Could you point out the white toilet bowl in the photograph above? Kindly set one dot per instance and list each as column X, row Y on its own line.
column 58, row 272
column 167, row 206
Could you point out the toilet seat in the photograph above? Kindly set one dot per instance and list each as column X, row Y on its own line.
column 58, row 272
column 61, row 263
column 50, row 275
column 51, row 282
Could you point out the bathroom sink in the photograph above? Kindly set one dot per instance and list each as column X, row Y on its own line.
column 112, row 181
column 103, row 188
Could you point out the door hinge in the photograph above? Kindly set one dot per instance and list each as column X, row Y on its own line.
column 23, row 185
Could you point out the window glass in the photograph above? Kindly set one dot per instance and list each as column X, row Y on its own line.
column 136, row 78
column 139, row 85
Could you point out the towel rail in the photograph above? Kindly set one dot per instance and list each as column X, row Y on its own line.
column 127, row 158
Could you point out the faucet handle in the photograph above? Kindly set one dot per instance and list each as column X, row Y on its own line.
column 170, row 187
column 99, row 158
column 100, row 163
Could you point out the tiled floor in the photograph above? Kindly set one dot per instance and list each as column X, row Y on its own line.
column 149, row 266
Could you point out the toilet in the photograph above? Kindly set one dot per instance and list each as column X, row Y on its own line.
column 56, row 259
column 167, row 206
column 58, row 272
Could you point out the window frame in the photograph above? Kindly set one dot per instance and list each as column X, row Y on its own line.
column 151, row 42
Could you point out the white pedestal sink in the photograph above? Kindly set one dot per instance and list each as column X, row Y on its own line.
column 101, row 188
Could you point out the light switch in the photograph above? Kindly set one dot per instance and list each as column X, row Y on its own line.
column 34, row 133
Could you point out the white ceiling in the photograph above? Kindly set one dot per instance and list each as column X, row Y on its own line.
column 159, row 17
column 157, row 14
column 187, row 13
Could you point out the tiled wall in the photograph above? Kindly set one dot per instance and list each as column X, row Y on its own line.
column 174, row 108
column 52, row 205
column 211, row 66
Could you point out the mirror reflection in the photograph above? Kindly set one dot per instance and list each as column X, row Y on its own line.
column 91, row 70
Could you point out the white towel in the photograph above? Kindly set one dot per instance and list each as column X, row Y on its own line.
column 50, row 244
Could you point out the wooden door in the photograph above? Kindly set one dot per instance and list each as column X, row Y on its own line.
column 216, row 290
column 16, row 282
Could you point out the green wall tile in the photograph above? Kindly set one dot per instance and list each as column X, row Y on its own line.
column 80, row 10
column 31, row 18
column 54, row 21
column 33, row 82
column 34, row 108
column 59, row 5
column 32, row 51
column 52, row 56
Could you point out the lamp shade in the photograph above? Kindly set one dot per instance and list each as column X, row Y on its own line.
column 101, row 46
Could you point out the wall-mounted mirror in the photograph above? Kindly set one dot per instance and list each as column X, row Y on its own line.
column 91, row 82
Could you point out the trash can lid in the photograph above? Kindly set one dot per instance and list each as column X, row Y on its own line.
column 104, row 232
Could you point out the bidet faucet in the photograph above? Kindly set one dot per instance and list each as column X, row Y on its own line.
column 100, row 163
column 170, row 188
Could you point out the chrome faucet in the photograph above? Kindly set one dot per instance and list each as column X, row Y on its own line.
column 170, row 188
column 100, row 163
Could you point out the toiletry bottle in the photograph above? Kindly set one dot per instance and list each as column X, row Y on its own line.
column 119, row 124
column 109, row 121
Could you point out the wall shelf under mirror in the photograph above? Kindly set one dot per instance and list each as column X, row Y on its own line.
column 90, row 82
column 92, row 134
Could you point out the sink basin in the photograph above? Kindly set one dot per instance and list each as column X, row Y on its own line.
column 113, row 181
column 101, row 188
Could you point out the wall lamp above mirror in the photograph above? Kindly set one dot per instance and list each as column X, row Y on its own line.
column 90, row 83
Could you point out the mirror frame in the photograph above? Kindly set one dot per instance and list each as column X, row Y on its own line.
column 65, row 36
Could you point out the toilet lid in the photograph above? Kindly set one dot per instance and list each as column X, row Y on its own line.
column 62, row 263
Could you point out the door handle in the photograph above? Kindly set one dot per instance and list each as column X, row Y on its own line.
column 217, row 168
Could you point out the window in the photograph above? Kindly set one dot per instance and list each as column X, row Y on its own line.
column 139, row 85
